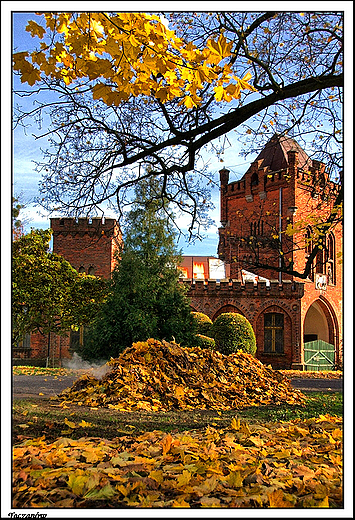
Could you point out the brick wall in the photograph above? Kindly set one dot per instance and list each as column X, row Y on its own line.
column 89, row 245
column 253, row 301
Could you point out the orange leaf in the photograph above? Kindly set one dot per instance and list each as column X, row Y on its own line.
column 276, row 499
column 167, row 444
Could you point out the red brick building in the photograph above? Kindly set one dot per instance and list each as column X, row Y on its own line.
column 90, row 246
column 282, row 186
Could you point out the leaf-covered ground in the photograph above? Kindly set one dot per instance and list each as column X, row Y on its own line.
column 35, row 417
column 156, row 375
column 22, row 370
column 159, row 430
column 296, row 464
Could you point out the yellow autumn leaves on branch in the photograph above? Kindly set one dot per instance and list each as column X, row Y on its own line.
column 128, row 54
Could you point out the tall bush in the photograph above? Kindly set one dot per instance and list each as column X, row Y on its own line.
column 232, row 332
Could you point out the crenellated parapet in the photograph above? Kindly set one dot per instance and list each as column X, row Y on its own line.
column 95, row 226
column 287, row 289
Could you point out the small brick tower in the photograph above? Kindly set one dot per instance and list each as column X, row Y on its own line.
column 89, row 245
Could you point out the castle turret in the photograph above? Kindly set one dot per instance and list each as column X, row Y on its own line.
column 88, row 244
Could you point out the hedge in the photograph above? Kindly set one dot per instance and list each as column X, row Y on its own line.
column 232, row 332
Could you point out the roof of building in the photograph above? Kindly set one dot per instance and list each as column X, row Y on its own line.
column 274, row 154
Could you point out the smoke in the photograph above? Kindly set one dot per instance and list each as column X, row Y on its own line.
column 98, row 369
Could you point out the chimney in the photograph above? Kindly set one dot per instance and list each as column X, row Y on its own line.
column 224, row 178
column 292, row 158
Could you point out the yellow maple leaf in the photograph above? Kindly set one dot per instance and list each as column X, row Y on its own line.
column 85, row 424
column 184, row 478
column 189, row 102
column 77, row 482
column 276, row 499
column 157, row 475
column 235, row 479
column 71, row 424
column 35, row 29
column 90, row 456
column 235, row 424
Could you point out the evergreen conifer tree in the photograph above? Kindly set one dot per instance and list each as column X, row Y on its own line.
column 146, row 298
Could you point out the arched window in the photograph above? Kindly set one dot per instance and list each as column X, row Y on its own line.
column 254, row 180
column 257, row 228
column 331, row 264
column 91, row 270
column 320, row 261
column 308, row 249
column 81, row 269
column 274, row 332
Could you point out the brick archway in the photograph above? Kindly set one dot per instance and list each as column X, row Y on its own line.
column 227, row 308
column 325, row 310
column 277, row 360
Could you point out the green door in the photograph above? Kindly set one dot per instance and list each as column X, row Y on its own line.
column 319, row 355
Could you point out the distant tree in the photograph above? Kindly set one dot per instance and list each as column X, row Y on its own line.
column 123, row 91
column 146, row 298
column 48, row 294
column 17, row 226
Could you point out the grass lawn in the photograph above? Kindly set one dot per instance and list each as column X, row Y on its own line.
column 34, row 417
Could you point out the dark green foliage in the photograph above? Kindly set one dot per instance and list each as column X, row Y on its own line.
column 233, row 332
column 146, row 299
column 205, row 342
column 204, row 323
column 48, row 294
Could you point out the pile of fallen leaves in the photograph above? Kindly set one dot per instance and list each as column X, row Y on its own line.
column 162, row 376
column 297, row 464
column 312, row 374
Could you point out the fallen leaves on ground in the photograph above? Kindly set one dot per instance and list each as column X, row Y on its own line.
column 296, row 464
column 310, row 374
column 43, row 371
column 162, row 376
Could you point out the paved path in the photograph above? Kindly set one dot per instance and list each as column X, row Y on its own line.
column 318, row 385
column 32, row 386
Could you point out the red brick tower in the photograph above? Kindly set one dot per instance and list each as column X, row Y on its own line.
column 282, row 187
column 89, row 245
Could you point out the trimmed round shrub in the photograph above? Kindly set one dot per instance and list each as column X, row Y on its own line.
column 232, row 332
column 205, row 342
column 204, row 323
